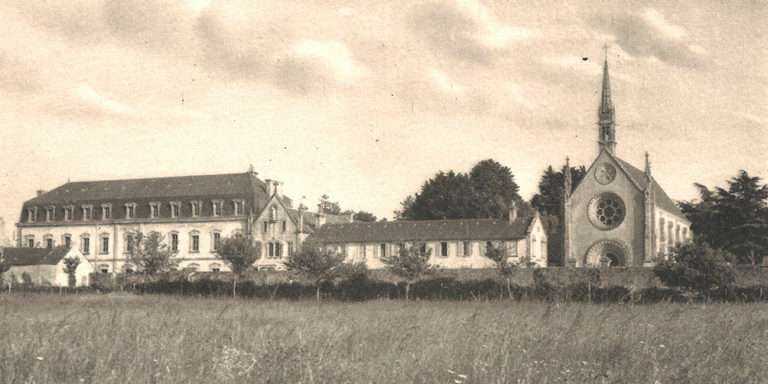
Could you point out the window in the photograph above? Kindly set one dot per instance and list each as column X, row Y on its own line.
column 130, row 210
column 273, row 213
column 104, row 244
column 50, row 213
column 685, row 233
column 68, row 210
column 66, row 239
column 129, row 243
column 466, row 248
column 128, row 268
column 512, row 249
column 104, row 268
column 106, row 211
column 278, row 250
column 175, row 208
column 87, row 212
column 194, row 242
column 85, row 244
column 290, row 249
column 174, row 242
column 215, row 267
column 154, row 210
column 238, row 207
column 285, row 226
column 30, row 241
column 274, row 250
column 195, row 207
column 48, row 240
column 661, row 230
column 192, row 267
column 31, row 214
column 382, row 250
column 216, row 207
column 444, row 249
column 216, row 240
column 265, row 227
column 270, row 250
column 423, row 249
column 362, row 250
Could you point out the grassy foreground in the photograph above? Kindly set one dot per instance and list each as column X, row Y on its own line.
column 154, row 339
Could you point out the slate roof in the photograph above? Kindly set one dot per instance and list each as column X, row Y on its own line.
column 205, row 188
column 415, row 230
column 663, row 200
column 33, row 256
column 310, row 219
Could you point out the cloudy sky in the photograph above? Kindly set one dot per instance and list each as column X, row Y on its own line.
column 364, row 100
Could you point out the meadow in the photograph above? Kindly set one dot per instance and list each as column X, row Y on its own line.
column 122, row 338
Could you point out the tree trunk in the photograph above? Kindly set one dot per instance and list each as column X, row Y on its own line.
column 407, row 290
column 317, row 292
column 234, row 286
column 752, row 258
column 509, row 288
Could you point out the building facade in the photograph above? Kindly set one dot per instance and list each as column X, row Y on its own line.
column 618, row 215
column 461, row 243
column 45, row 267
column 192, row 213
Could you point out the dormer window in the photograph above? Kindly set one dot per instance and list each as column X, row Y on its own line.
column 195, row 206
column 273, row 213
column 130, row 210
column 216, row 206
column 154, row 210
column 31, row 214
column 50, row 213
column 238, row 207
column 87, row 212
column 175, row 208
column 68, row 211
column 106, row 211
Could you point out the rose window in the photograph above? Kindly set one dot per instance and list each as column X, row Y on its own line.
column 607, row 211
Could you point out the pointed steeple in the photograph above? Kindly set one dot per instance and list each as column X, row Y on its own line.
column 567, row 179
column 606, row 114
column 648, row 166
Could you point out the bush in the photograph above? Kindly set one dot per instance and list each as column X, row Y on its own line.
column 698, row 269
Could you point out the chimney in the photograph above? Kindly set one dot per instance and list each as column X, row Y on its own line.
column 512, row 211
column 270, row 187
column 352, row 217
column 252, row 170
column 302, row 208
column 277, row 186
column 320, row 216
column 40, row 192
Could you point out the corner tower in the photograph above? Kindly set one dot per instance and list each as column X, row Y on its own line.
column 606, row 114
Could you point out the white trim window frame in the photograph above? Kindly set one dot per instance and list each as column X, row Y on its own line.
column 87, row 211
column 85, row 244
column 195, row 207
column 175, row 208
column 238, row 206
column 130, row 210
column 69, row 212
column 215, row 240
column 154, row 210
column 173, row 241
column 104, row 244
column 216, row 207
column 50, row 213
column 194, row 241
column 106, row 211
column 31, row 214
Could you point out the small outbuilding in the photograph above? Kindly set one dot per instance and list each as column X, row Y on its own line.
column 44, row 266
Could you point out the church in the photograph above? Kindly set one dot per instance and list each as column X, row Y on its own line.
column 618, row 215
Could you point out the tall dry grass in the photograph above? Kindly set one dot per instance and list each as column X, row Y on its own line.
column 153, row 339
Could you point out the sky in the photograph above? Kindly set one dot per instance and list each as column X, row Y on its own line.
column 365, row 100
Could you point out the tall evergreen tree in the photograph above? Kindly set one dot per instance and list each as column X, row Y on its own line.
column 734, row 218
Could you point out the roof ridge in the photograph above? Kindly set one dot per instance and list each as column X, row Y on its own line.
column 152, row 178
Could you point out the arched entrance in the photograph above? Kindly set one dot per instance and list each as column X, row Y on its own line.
column 607, row 253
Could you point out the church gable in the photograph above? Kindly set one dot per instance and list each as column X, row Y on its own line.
column 606, row 172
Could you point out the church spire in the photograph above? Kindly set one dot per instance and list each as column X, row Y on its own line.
column 606, row 115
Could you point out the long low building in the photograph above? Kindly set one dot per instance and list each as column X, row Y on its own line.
column 43, row 266
column 460, row 243
column 192, row 213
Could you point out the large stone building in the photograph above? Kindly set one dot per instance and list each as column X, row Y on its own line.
column 460, row 243
column 618, row 214
column 193, row 213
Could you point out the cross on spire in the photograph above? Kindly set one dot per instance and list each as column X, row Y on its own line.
column 606, row 138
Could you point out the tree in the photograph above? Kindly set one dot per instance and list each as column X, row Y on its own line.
column 487, row 191
column 410, row 263
column 240, row 253
column 734, row 218
column 70, row 268
column 150, row 253
column 696, row 267
column 495, row 189
column 329, row 207
column 316, row 263
column 498, row 254
column 549, row 202
column 364, row 216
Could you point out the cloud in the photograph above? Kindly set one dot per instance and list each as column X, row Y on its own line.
column 443, row 83
column 18, row 76
column 466, row 30
column 95, row 101
column 333, row 56
column 650, row 35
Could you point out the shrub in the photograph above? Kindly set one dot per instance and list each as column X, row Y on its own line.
column 697, row 268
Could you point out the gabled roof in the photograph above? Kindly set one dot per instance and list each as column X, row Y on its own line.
column 33, row 256
column 422, row 230
column 663, row 200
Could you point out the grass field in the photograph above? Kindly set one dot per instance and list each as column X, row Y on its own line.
column 154, row 339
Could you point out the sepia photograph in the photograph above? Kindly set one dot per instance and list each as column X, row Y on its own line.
column 358, row 191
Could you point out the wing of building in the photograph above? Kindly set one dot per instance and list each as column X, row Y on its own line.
column 43, row 266
column 618, row 215
column 458, row 243
column 192, row 213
